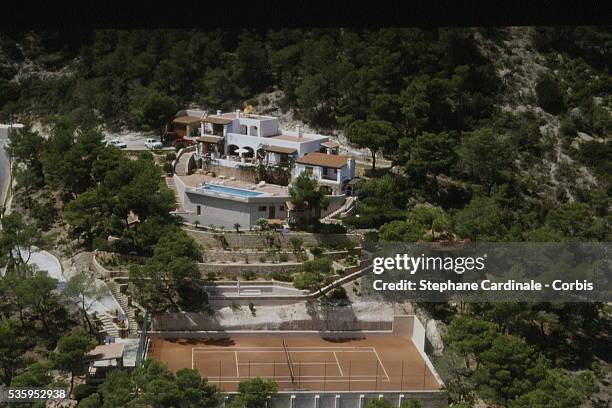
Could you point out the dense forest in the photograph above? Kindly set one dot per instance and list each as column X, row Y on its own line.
column 496, row 134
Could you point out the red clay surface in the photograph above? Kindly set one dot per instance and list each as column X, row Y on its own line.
column 376, row 363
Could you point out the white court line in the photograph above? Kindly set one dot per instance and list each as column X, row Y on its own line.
column 318, row 377
column 281, row 348
column 288, row 380
column 332, row 350
column 337, row 362
column 252, row 363
column 237, row 369
column 381, row 364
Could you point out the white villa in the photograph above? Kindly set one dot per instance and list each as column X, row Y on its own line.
column 235, row 141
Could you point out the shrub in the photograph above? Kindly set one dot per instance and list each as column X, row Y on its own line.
column 249, row 275
column 337, row 294
column 281, row 276
column 371, row 236
column 316, row 251
column 550, row 95
column 168, row 168
column 170, row 156
column 323, row 265
column 180, row 145
column 83, row 391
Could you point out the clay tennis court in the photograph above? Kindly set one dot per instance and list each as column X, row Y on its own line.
column 305, row 362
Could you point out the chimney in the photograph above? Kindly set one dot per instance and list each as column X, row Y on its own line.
column 218, row 113
column 237, row 113
column 299, row 131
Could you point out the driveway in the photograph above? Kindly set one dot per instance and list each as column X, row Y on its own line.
column 45, row 261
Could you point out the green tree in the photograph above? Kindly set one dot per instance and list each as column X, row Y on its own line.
column 379, row 403
column 26, row 146
column 372, row 134
column 411, row 403
column 83, row 290
column 484, row 156
column 116, row 391
column 170, row 272
column 508, row 369
column 34, row 375
column 433, row 153
column 38, row 294
column 550, row 95
column 83, row 214
column 470, row 336
column 383, row 200
column 91, row 401
column 556, row 390
column 154, row 109
column 254, row 393
column 72, row 352
column 481, row 220
column 305, row 195
column 422, row 224
column 13, row 344
column 17, row 240
column 576, row 221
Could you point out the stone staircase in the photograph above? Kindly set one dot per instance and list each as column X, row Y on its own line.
column 108, row 326
column 334, row 216
column 123, row 301
column 172, row 186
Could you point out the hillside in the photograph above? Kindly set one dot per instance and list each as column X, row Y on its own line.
column 490, row 134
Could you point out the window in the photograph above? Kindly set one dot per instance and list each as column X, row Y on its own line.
column 262, row 208
column 309, row 169
column 199, row 209
column 281, row 208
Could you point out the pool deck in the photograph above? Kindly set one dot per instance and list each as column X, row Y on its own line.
column 195, row 180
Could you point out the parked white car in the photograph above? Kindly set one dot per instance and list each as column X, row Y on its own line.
column 117, row 143
column 153, row 144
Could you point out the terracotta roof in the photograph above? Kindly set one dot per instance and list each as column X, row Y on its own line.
column 280, row 149
column 217, row 120
column 186, row 120
column 331, row 144
column 209, row 139
column 323, row 160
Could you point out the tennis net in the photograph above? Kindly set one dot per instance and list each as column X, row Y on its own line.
column 289, row 362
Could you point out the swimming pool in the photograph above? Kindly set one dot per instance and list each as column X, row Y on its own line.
column 231, row 190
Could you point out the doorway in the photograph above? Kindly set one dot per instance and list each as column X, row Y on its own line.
column 271, row 212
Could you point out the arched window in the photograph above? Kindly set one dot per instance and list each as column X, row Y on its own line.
column 232, row 150
column 253, row 131
column 243, row 130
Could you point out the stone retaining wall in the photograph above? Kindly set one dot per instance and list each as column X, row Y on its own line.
column 255, row 240
column 102, row 272
column 258, row 268
column 213, row 255
column 337, row 320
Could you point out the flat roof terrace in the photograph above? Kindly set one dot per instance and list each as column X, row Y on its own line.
column 304, row 362
column 196, row 180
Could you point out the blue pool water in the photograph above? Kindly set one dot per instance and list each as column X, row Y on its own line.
column 230, row 190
